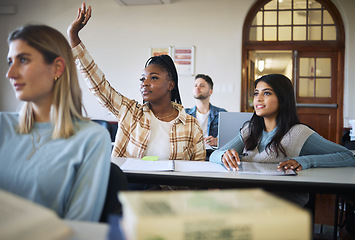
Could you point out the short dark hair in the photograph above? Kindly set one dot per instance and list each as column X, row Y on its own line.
column 207, row 78
column 165, row 62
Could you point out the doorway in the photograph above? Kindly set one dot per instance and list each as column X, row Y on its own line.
column 304, row 40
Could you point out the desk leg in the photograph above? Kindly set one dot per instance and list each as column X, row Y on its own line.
column 336, row 217
column 311, row 206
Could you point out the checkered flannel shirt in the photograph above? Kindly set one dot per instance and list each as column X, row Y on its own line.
column 186, row 137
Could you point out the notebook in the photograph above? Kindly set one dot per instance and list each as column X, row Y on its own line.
column 229, row 125
column 135, row 164
column 264, row 169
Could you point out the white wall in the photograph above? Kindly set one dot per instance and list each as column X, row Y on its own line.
column 347, row 9
column 119, row 39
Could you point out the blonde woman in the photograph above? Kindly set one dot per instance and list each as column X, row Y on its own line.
column 50, row 153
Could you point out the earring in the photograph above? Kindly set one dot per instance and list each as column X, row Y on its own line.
column 55, row 79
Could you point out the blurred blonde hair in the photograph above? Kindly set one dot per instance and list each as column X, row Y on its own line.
column 67, row 101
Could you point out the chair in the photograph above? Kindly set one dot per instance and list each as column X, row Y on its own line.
column 346, row 142
column 345, row 203
column 110, row 126
column 117, row 182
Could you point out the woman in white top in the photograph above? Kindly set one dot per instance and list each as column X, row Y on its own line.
column 159, row 127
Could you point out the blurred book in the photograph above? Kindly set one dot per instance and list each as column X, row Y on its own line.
column 212, row 215
column 21, row 219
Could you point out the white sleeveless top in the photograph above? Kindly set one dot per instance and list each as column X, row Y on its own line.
column 292, row 142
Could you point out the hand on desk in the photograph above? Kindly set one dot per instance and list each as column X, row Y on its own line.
column 231, row 160
column 211, row 141
column 290, row 164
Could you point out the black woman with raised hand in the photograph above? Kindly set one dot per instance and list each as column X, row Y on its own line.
column 160, row 127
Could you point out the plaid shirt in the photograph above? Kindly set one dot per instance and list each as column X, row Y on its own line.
column 186, row 137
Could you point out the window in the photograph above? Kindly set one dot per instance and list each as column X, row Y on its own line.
column 292, row 20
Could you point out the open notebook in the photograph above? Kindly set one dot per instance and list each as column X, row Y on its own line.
column 134, row 164
column 263, row 169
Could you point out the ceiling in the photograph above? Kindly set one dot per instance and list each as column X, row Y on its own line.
column 141, row 2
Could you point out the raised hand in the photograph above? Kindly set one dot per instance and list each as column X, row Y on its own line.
column 79, row 23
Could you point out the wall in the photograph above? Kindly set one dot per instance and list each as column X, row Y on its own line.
column 119, row 39
column 347, row 9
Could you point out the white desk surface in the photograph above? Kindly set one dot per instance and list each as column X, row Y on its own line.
column 342, row 177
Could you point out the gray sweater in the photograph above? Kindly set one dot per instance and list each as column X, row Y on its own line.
column 306, row 147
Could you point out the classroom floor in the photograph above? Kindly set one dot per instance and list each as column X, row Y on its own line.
column 324, row 219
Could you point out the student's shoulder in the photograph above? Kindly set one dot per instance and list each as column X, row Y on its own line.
column 195, row 125
column 190, row 118
column 190, row 110
column 88, row 128
column 187, row 110
column 8, row 118
column 9, row 114
column 302, row 128
column 217, row 109
column 300, row 131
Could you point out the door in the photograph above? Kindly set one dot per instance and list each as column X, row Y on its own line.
column 316, row 92
column 313, row 33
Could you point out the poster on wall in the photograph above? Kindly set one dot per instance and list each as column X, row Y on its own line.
column 184, row 58
column 157, row 51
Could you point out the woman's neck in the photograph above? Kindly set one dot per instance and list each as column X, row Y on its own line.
column 42, row 112
column 270, row 124
column 164, row 112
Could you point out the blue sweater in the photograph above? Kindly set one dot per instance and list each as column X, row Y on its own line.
column 316, row 151
column 69, row 176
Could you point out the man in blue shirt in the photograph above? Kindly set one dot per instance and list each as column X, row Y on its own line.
column 206, row 114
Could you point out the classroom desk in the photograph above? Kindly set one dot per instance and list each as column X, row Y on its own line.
column 314, row 180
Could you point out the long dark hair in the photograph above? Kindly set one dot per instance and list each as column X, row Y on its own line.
column 286, row 117
column 165, row 62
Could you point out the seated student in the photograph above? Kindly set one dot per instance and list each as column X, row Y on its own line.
column 51, row 154
column 274, row 134
column 159, row 127
column 206, row 114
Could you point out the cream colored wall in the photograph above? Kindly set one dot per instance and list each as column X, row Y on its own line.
column 347, row 9
column 119, row 39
